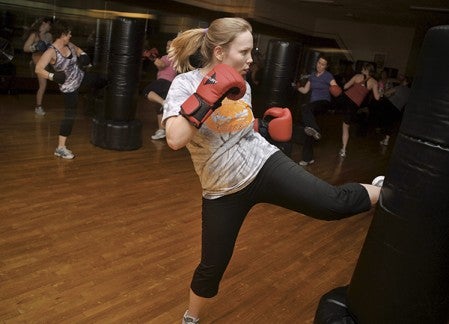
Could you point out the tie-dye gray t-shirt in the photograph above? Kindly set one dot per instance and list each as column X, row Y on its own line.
column 226, row 152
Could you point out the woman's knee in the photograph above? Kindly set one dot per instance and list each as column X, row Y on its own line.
column 349, row 199
column 206, row 279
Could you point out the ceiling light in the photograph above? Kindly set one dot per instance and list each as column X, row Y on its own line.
column 318, row 1
column 109, row 13
column 436, row 9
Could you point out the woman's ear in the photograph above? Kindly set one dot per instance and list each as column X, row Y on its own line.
column 218, row 53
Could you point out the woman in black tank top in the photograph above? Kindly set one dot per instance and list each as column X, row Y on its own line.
column 353, row 101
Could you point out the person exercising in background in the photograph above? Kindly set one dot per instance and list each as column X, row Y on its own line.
column 318, row 84
column 391, row 107
column 67, row 60
column 36, row 43
column 157, row 90
column 356, row 90
column 208, row 110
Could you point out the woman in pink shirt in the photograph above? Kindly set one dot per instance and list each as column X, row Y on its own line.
column 157, row 90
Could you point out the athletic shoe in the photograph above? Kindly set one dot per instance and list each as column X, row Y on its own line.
column 64, row 153
column 342, row 153
column 312, row 132
column 160, row 133
column 189, row 319
column 378, row 181
column 39, row 111
column 384, row 142
column 304, row 163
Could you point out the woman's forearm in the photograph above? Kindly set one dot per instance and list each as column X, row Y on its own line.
column 179, row 132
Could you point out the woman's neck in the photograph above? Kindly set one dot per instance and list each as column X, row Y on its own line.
column 58, row 43
column 206, row 69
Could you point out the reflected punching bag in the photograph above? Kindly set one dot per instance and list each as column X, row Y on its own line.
column 308, row 64
column 102, row 45
column 119, row 130
column 402, row 275
column 279, row 74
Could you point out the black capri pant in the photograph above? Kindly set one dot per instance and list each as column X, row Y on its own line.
column 281, row 182
column 160, row 87
column 92, row 82
column 70, row 104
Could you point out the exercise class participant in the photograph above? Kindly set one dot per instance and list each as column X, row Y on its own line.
column 318, row 84
column 357, row 89
column 236, row 166
column 67, row 60
column 391, row 107
column 36, row 43
column 157, row 90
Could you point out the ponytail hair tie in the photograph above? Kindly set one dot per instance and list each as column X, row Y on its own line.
column 205, row 30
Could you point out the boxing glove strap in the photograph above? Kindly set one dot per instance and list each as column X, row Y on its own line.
column 196, row 110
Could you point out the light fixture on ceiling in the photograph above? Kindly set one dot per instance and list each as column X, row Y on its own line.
column 109, row 13
column 434, row 9
column 319, row 1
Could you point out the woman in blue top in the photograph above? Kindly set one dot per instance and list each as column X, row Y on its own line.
column 318, row 83
column 236, row 166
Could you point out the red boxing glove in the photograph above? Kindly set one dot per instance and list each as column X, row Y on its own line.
column 222, row 81
column 280, row 125
column 335, row 90
column 150, row 54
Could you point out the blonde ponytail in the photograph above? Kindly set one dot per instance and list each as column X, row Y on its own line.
column 221, row 32
column 183, row 46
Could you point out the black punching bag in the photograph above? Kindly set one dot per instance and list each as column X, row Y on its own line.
column 308, row 64
column 402, row 275
column 279, row 74
column 102, row 45
column 119, row 130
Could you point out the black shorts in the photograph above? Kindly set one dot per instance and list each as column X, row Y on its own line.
column 159, row 86
column 348, row 107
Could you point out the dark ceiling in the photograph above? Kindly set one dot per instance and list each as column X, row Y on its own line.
column 410, row 13
column 385, row 12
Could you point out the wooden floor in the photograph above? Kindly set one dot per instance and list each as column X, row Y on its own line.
column 113, row 237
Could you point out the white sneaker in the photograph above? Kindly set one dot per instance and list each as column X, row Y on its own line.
column 312, row 132
column 304, row 163
column 39, row 111
column 160, row 133
column 64, row 153
column 188, row 319
column 378, row 181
